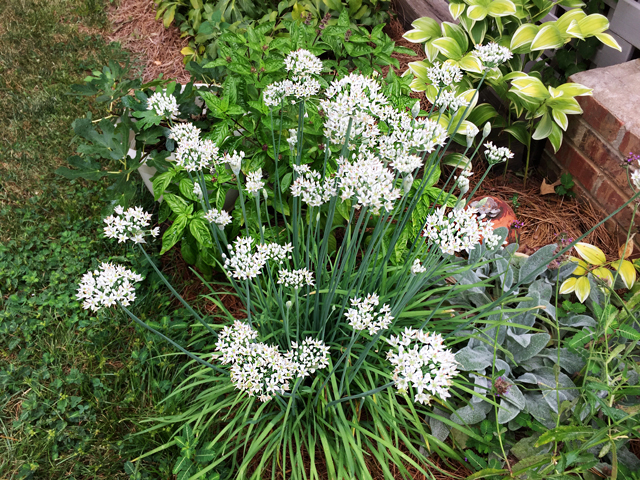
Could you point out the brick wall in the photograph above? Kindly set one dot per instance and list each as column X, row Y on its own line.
column 597, row 142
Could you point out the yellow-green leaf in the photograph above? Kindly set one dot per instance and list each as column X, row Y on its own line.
column 416, row 36
column 604, row 274
column 569, row 285
column 470, row 63
column 608, row 40
column 582, row 288
column 574, row 30
column 187, row 51
column 565, row 19
column 561, row 119
column 530, row 87
column 567, row 105
column 456, row 9
column 627, row 272
column 477, row 12
column 590, row 253
column 574, row 90
column 593, row 24
column 548, row 37
column 544, row 128
column 428, row 25
column 448, row 47
column 501, row 8
column 582, row 266
column 431, row 51
column 524, row 35
column 418, row 85
column 419, row 69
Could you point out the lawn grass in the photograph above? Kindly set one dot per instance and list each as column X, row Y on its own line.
column 73, row 386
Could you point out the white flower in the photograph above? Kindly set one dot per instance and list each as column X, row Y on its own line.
column 234, row 160
column 311, row 188
column 423, row 363
column 362, row 315
column 496, row 154
column 293, row 137
column 407, row 163
column 193, row 153
column 302, row 63
column 254, row 182
column 368, row 181
column 129, row 225
column 492, row 54
column 459, row 230
column 635, row 177
column 417, row 267
column 296, row 278
column 262, row 370
column 197, row 190
column 220, row 217
column 449, row 100
column 243, row 263
column 107, row 286
column 164, row 105
column 275, row 93
column 443, row 75
column 463, row 180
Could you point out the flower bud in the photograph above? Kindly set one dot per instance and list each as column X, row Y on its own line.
column 288, row 304
column 265, row 195
column 407, row 183
column 470, row 140
column 235, row 167
column 415, row 110
column 486, row 130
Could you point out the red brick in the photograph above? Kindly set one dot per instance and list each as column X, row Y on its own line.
column 599, row 118
column 611, row 199
column 630, row 143
column 603, row 156
column 578, row 166
column 576, row 129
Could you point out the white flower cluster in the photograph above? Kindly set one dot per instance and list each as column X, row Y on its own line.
column 463, row 180
column 234, row 160
column 129, row 225
column 193, row 153
column 296, row 279
column 422, row 362
column 107, row 286
column 302, row 63
column 368, row 181
column 459, row 230
column 444, row 74
column 362, row 315
column 311, row 188
column 197, row 190
column 219, row 217
column 492, row 54
column 496, row 154
column 635, row 178
column 417, row 267
column 449, row 100
column 293, row 137
column 243, row 263
column 260, row 369
column 407, row 163
column 254, row 182
column 164, row 105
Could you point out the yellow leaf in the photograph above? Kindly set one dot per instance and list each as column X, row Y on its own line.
column 609, row 41
column 569, row 285
column 582, row 266
column 625, row 252
column 583, row 288
column 590, row 253
column 627, row 272
column 419, row 69
column 456, row 9
column 187, row 51
column 604, row 274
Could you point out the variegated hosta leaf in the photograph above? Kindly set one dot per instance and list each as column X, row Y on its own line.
column 524, row 35
column 574, row 90
column 568, row 286
column 548, row 37
column 626, row 270
column 593, row 24
column 604, row 274
column 583, row 288
column 424, row 29
column 590, row 253
column 609, row 41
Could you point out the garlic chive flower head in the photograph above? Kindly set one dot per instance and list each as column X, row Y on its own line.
column 449, row 100
column 197, row 190
column 407, row 163
column 491, row 55
column 422, row 363
column 262, row 370
column 243, row 263
column 219, row 217
column 254, row 182
column 193, row 153
column 129, row 225
column 445, row 74
column 302, row 63
column 363, row 315
column 106, row 286
column 463, row 180
column 417, row 267
column 309, row 185
column 459, row 230
column 234, row 160
column 495, row 154
column 164, row 105
column 296, row 279
column 635, row 175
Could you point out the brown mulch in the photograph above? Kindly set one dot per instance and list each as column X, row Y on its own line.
column 154, row 46
column 546, row 217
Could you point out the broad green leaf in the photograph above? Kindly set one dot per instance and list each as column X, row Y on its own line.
column 627, row 272
column 593, row 24
column 456, row 160
column 501, row 8
column 419, row 69
column 177, row 204
column 524, row 35
column 477, row 12
column 482, row 113
column 567, row 105
column 608, row 40
column 544, row 128
column 520, row 132
column 448, row 47
column 590, row 253
column 530, row 87
column 173, row 233
column 549, row 37
column 418, row 85
column 582, row 288
column 574, row 30
column 566, row 19
column 456, row 9
column 556, row 137
column 431, row 51
column 427, row 25
column 563, row 434
column 200, row 231
column 161, row 182
column 456, row 32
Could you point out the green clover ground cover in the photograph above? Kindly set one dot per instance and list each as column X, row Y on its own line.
column 72, row 387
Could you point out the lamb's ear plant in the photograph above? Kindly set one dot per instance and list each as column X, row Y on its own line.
column 536, row 110
column 342, row 345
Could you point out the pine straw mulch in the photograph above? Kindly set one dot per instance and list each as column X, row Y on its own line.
column 546, row 217
column 154, row 46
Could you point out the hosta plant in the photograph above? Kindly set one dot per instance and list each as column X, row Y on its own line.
column 536, row 110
